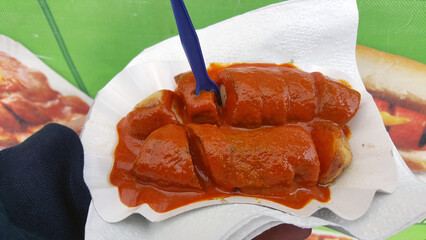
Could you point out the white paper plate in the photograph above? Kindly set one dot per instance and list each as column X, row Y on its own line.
column 320, row 32
column 372, row 167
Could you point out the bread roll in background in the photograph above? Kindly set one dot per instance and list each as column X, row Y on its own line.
column 400, row 82
column 397, row 79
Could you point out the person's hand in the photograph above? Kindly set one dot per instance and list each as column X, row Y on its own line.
column 76, row 124
column 284, row 232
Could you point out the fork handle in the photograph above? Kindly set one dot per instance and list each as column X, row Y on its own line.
column 191, row 46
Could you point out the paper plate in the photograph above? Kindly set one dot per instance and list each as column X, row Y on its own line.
column 372, row 167
column 320, row 36
column 312, row 33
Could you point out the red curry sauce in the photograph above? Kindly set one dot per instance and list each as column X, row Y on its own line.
column 296, row 112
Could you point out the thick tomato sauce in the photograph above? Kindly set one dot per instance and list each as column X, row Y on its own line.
column 134, row 192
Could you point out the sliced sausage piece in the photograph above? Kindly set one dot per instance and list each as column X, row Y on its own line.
column 200, row 109
column 153, row 112
column 333, row 150
column 165, row 159
column 336, row 101
column 269, row 94
column 255, row 160
column 255, row 95
column 301, row 87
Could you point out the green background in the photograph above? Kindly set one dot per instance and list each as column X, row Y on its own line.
column 102, row 36
column 89, row 41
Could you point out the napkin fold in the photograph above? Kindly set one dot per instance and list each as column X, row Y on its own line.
column 230, row 221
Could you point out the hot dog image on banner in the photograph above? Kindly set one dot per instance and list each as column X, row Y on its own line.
column 398, row 86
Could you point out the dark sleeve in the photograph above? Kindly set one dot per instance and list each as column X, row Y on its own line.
column 42, row 192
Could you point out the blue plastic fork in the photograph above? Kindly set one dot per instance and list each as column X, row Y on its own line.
column 191, row 46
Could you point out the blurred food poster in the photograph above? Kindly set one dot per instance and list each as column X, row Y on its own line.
column 56, row 55
column 391, row 58
column 398, row 87
column 32, row 95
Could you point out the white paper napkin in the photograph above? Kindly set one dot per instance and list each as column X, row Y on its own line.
column 321, row 32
